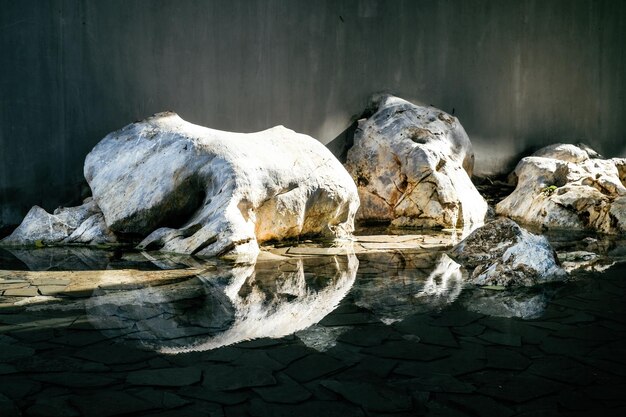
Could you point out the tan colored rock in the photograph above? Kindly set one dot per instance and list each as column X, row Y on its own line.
column 568, row 187
column 412, row 165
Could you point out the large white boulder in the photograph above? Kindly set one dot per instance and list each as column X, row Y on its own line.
column 501, row 253
column 570, row 187
column 412, row 165
column 190, row 189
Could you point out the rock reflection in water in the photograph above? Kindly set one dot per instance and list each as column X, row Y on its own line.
column 394, row 285
column 525, row 304
column 225, row 305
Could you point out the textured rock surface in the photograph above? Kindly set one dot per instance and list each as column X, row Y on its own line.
column 569, row 187
column 82, row 224
column 502, row 253
column 189, row 189
column 412, row 165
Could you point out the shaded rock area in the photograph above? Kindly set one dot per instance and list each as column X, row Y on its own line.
column 189, row 189
column 82, row 224
column 565, row 186
column 501, row 253
column 412, row 166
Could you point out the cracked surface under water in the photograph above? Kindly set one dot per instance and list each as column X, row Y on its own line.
column 386, row 329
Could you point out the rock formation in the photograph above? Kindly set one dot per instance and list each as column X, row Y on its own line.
column 82, row 224
column 569, row 187
column 189, row 189
column 412, row 165
column 501, row 253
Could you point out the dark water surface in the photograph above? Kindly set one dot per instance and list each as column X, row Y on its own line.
column 394, row 333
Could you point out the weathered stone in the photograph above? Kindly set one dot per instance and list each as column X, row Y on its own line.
column 166, row 377
column 568, row 187
column 65, row 225
column 371, row 397
column 228, row 378
column 502, row 253
column 191, row 189
column 412, row 165
column 313, row 366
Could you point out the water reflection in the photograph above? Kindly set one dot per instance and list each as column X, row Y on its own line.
column 393, row 285
column 521, row 303
column 225, row 305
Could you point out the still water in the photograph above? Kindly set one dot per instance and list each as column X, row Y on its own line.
column 385, row 331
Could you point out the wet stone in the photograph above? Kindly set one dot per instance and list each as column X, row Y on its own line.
column 113, row 354
column 427, row 332
column 506, row 359
column 367, row 336
column 407, row 350
column 567, row 347
column 52, row 407
column 8, row 407
column 313, row 408
column 473, row 329
column 480, row 405
column 162, row 399
column 371, row 397
column 520, row 389
column 220, row 397
column 259, row 359
column 75, row 379
column 51, row 289
column 110, row 403
column 313, row 366
column 455, row 365
column 456, row 318
column 227, row 378
column 289, row 353
column 285, row 392
column 379, row 367
column 21, row 292
column 6, row 369
column 438, row 383
column 562, row 369
column 166, row 377
column 501, row 338
column 13, row 352
column 348, row 319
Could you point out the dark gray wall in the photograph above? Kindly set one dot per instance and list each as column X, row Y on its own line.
column 518, row 74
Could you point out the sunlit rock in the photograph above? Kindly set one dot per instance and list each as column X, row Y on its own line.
column 569, row 187
column 190, row 189
column 224, row 305
column 412, row 165
column 82, row 224
column 501, row 253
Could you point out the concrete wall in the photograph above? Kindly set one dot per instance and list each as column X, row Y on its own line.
column 518, row 74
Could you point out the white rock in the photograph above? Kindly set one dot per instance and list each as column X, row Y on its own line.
column 65, row 225
column 412, row 165
column 567, row 187
column 191, row 189
column 502, row 253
